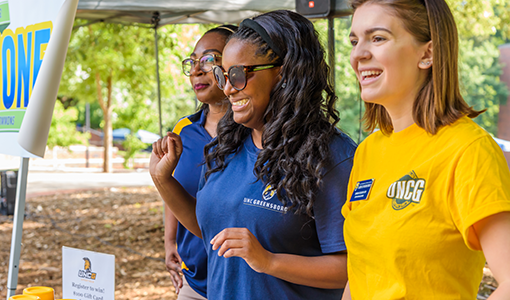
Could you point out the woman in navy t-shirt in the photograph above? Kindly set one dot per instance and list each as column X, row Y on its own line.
column 269, row 203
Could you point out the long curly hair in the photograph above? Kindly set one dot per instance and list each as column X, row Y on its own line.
column 299, row 120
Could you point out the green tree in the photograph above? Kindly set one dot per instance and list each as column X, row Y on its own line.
column 482, row 26
column 115, row 65
column 63, row 128
column 131, row 146
column 102, row 56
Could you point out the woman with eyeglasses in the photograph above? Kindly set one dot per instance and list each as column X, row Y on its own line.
column 269, row 204
column 185, row 251
column 429, row 194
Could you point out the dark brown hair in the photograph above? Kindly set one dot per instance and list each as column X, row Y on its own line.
column 439, row 102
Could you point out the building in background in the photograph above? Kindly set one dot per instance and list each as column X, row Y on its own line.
column 504, row 109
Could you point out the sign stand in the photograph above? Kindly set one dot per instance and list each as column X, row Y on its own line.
column 17, row 228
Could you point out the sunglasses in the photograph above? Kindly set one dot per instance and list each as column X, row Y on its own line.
column 206, row 62
column 237, row 74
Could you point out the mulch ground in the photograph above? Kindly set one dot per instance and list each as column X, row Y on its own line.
column 125, row 222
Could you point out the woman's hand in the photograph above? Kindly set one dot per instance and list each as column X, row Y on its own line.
column 165, row 155
column 173, row 266
column 242, row 243
column 327, row 271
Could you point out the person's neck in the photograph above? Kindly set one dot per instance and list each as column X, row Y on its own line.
column 216, row 112
column 256, row 136
column 402, row 122
column 400, row 109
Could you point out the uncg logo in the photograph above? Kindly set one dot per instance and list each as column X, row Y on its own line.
column 408, row 189
column 268, row 192
column 87, row 270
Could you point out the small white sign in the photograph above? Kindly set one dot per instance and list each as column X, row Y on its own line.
column 87, row 275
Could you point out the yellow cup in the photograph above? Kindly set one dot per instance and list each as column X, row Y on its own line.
column 43, row 292
column 24, row 297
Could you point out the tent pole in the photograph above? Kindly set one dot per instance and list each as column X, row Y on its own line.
column 331, row 50
column 87, row 130
column 156, row 21
column 17, row 228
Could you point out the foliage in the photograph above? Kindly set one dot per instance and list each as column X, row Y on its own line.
column 131, row 146
column 134, row 115
column 128, row 51
column 119, row 60
column 480, row 84
column 482, row 25
column 63, row 128
column 177, row 96
column 349, row 102
column 96, row 114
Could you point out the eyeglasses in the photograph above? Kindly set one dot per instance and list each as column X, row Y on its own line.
column 237, row 74
column 206, row 62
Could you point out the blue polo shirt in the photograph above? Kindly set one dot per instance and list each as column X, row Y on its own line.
column 234, row 198
column 190, row 247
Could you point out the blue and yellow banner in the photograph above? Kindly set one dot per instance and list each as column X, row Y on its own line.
column 21, row 53
column 34, row 36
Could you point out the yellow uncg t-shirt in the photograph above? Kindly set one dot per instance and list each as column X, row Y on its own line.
column 412, row 238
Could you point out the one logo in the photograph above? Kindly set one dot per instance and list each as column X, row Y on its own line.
column 87, row 270
column 268, row 192
column 408, row 189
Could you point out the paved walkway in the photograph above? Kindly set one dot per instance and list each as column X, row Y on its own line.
column 40, row 183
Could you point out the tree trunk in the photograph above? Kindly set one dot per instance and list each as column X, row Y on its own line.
column 107, row 114
column 107, row 141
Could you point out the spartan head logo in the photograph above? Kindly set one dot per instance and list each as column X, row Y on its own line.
column 268, row 192
column 87, row 270
column 88, row 265
column 408, row 189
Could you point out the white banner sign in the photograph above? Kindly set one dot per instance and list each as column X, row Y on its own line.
column 87, row 275
column 34, row 36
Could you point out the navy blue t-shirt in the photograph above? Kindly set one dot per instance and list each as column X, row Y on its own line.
column 234, row 198
column 190, row 247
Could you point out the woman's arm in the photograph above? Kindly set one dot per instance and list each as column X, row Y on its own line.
column 172, row 259
column 327, row 271
column 164, row 158
column 494, row 235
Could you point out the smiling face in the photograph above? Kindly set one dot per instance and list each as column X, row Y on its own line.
column 203, row 84
column 386, row 59
column 249, row 104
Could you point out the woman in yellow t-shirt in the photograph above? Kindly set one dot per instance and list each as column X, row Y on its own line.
column 429, row 195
